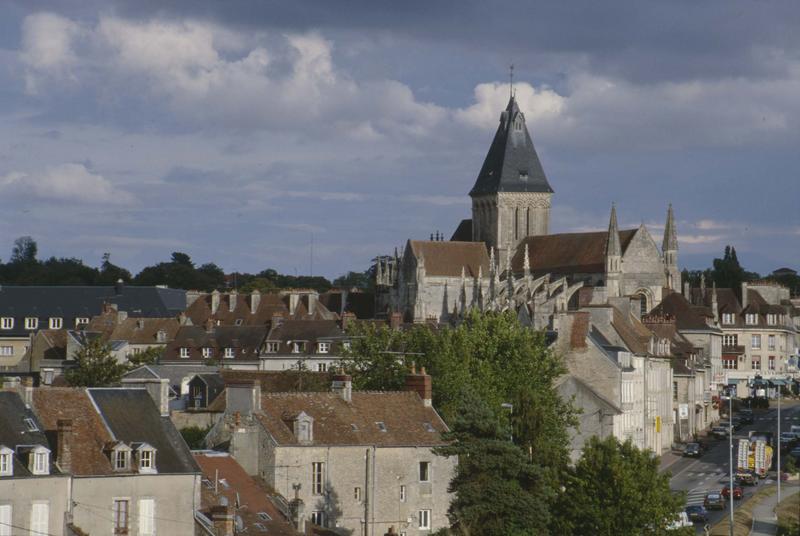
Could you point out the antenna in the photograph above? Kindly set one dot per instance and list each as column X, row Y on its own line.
column 311, row 261
column 511, row 81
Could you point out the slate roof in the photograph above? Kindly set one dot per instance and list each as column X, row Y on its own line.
column 69, row 303
column 463, row 232
column 174, row 373
column 311, row 331
column 14, row 432
column 134, row 330
column 360, row 303
column 283, row 381
column 338, row 422
column 214, row 384
column 240, row 488
column 245, row 340
column 269, row 304
column 448, row 258
column 632, row 332
column 511, row 165
column 567, row 252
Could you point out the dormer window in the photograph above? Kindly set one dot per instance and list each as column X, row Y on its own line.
column 31, row 322
column 6, row 322
column 523, row 175
column 381, row 426
column 751, row 319
column 207, row 352
column 323, row 347
column 298, row 346
column 772, row 319
column 6, row 461
column 56, row 322
column 184, row 353
column 230, row 353
column 727, row 319
column 120, row 457
column 146, row 457
column 39, row 461
column 272, row 347
column 304, row 427
column 161, row 336
column 81, row 321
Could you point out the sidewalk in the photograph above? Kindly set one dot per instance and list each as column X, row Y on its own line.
column 765, row 523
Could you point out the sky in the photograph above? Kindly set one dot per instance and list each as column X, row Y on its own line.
column 251, row 134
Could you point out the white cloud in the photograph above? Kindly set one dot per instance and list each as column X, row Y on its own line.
column 64, row 182
column 47, row 46
column 536, row 104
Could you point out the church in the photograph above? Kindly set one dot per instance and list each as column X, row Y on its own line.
column 504, row 257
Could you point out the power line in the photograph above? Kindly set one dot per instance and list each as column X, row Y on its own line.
column 27, row 530
column 112, row 511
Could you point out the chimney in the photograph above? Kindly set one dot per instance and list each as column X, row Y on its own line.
column 294, row 299
column 687, row 292
column 243, row 396
column 312, row 302
column 347, row 318
column 27, row 390
column 182, row 319
column 396, row 320
column 255, row 300
column 277, row 319
column 157, row 388
column 342, row 385
column 297, row 510
column 224, row 520
column 209, row 324
column 64, row 445
column 744, row 295
column 122, row 316
column 191, row 296
column 214, row 302
column 421, row 384
column 232, row 296
column 119, row 286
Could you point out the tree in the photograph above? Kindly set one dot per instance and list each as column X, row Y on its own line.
column 498, row 489
column 194, row 436
column 111, row 273
column 147, row 357
column 360, row 280
column 616, row 489
column 24, row 251
column 96, row 367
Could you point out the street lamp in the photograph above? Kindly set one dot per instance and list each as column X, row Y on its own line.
column 730, row 453
column 510, row 407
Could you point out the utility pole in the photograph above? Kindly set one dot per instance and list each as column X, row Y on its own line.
column 730, row 453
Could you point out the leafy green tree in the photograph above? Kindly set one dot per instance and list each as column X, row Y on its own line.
column 194, row 436
column 111, row 273
column 499, row 490
column 616, row 489
column 147, row 357
column 25, row 250
column 361, row 280
column 96, row 367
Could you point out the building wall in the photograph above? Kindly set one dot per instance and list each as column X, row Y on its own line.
column 176, row 498
column 596, row 418
column 315, row 363
column 643, row 268
column 345, row 469
column 21, row 493
column 19, row 345
column 659, row 404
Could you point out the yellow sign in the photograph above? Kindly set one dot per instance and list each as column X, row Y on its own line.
column 658, row 424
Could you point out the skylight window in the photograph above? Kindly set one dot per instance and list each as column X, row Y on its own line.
column 381, row 426
column 429, row 427
column 265, row 516
column 30, row 424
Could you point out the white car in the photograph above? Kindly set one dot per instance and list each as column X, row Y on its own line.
column 681, row 522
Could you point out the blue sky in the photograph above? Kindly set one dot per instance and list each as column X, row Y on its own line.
column 234, row 131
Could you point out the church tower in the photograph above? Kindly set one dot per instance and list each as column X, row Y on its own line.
column 613, row 257
column 511, row 196
column 669, row 248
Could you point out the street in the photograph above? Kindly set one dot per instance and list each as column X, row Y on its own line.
column 697, row 476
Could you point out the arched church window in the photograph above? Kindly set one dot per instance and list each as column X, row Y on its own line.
column 516, row 224
column 642, row 304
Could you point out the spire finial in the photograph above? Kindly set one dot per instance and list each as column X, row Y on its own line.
column 511, row 81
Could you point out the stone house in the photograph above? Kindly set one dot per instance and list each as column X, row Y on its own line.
column 355, row 462
column 315, row 345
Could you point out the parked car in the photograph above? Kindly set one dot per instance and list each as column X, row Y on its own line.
column 697, row 513
column 693, row 450
column 738, row 493
column 720, row 432
column 714, row 501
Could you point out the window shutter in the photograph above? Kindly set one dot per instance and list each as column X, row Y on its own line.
column 5, row 520
column 147, row 517
column 40, row 512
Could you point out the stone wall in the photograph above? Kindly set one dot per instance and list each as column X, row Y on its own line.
column 21, row 493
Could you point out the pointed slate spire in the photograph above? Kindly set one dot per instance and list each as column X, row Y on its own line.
column 670, row 233
column 511, row 165
column 613, row 248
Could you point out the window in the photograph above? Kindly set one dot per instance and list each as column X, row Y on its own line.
column 184, row 353
column 381, row 426
column 346, row 345
column 260, row 526
column 5, row 520
column 229, row 353
column 161, row 336
column 317, row 478
column 771, row 362
column 771, row 342
column 424, row 471
column 322, row 367
column 730, row 340
column 523, row 175
column 48, row 375
column 207, row 352
column 357, row 493
column 728, row 319
column 755, row 342
column 755, row 362
column 402, row 494
column 429, row 427
column 238, row 322
column 318, row 518
column 147, row 511
column 6, row 322
column 424, row 519
column 30, row 424
column 323, row 347
column 751, row 319
column 31, row 323
column 6, row 351
column 6, row 467
column 642, row 305
column 120, row 513
column 264, row 516
column 40, row 518
column 730, row 362
column 147, row 460
column 56, row 322
column 674, row 390
column 81, row 321
column 121, row 459
column 272, row 347
column 298, row 347
column 41, row 462
column 772, row 319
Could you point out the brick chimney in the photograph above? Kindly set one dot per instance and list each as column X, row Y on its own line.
column 294, row 299
column 224, row 520
column 396, row 320
column 232, row 297
column 347, row 318
column 64, row 445
column 214, row 302
column 255, row 300
column 342, row 385
column 421, row 384
column 744, row 295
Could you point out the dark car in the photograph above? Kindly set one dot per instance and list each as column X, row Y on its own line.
column 714, row 501
column 693, row 450
column 737, row 492
column 697, row 513
column 736, row 422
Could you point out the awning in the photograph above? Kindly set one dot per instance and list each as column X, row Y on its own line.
column 779, row 381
